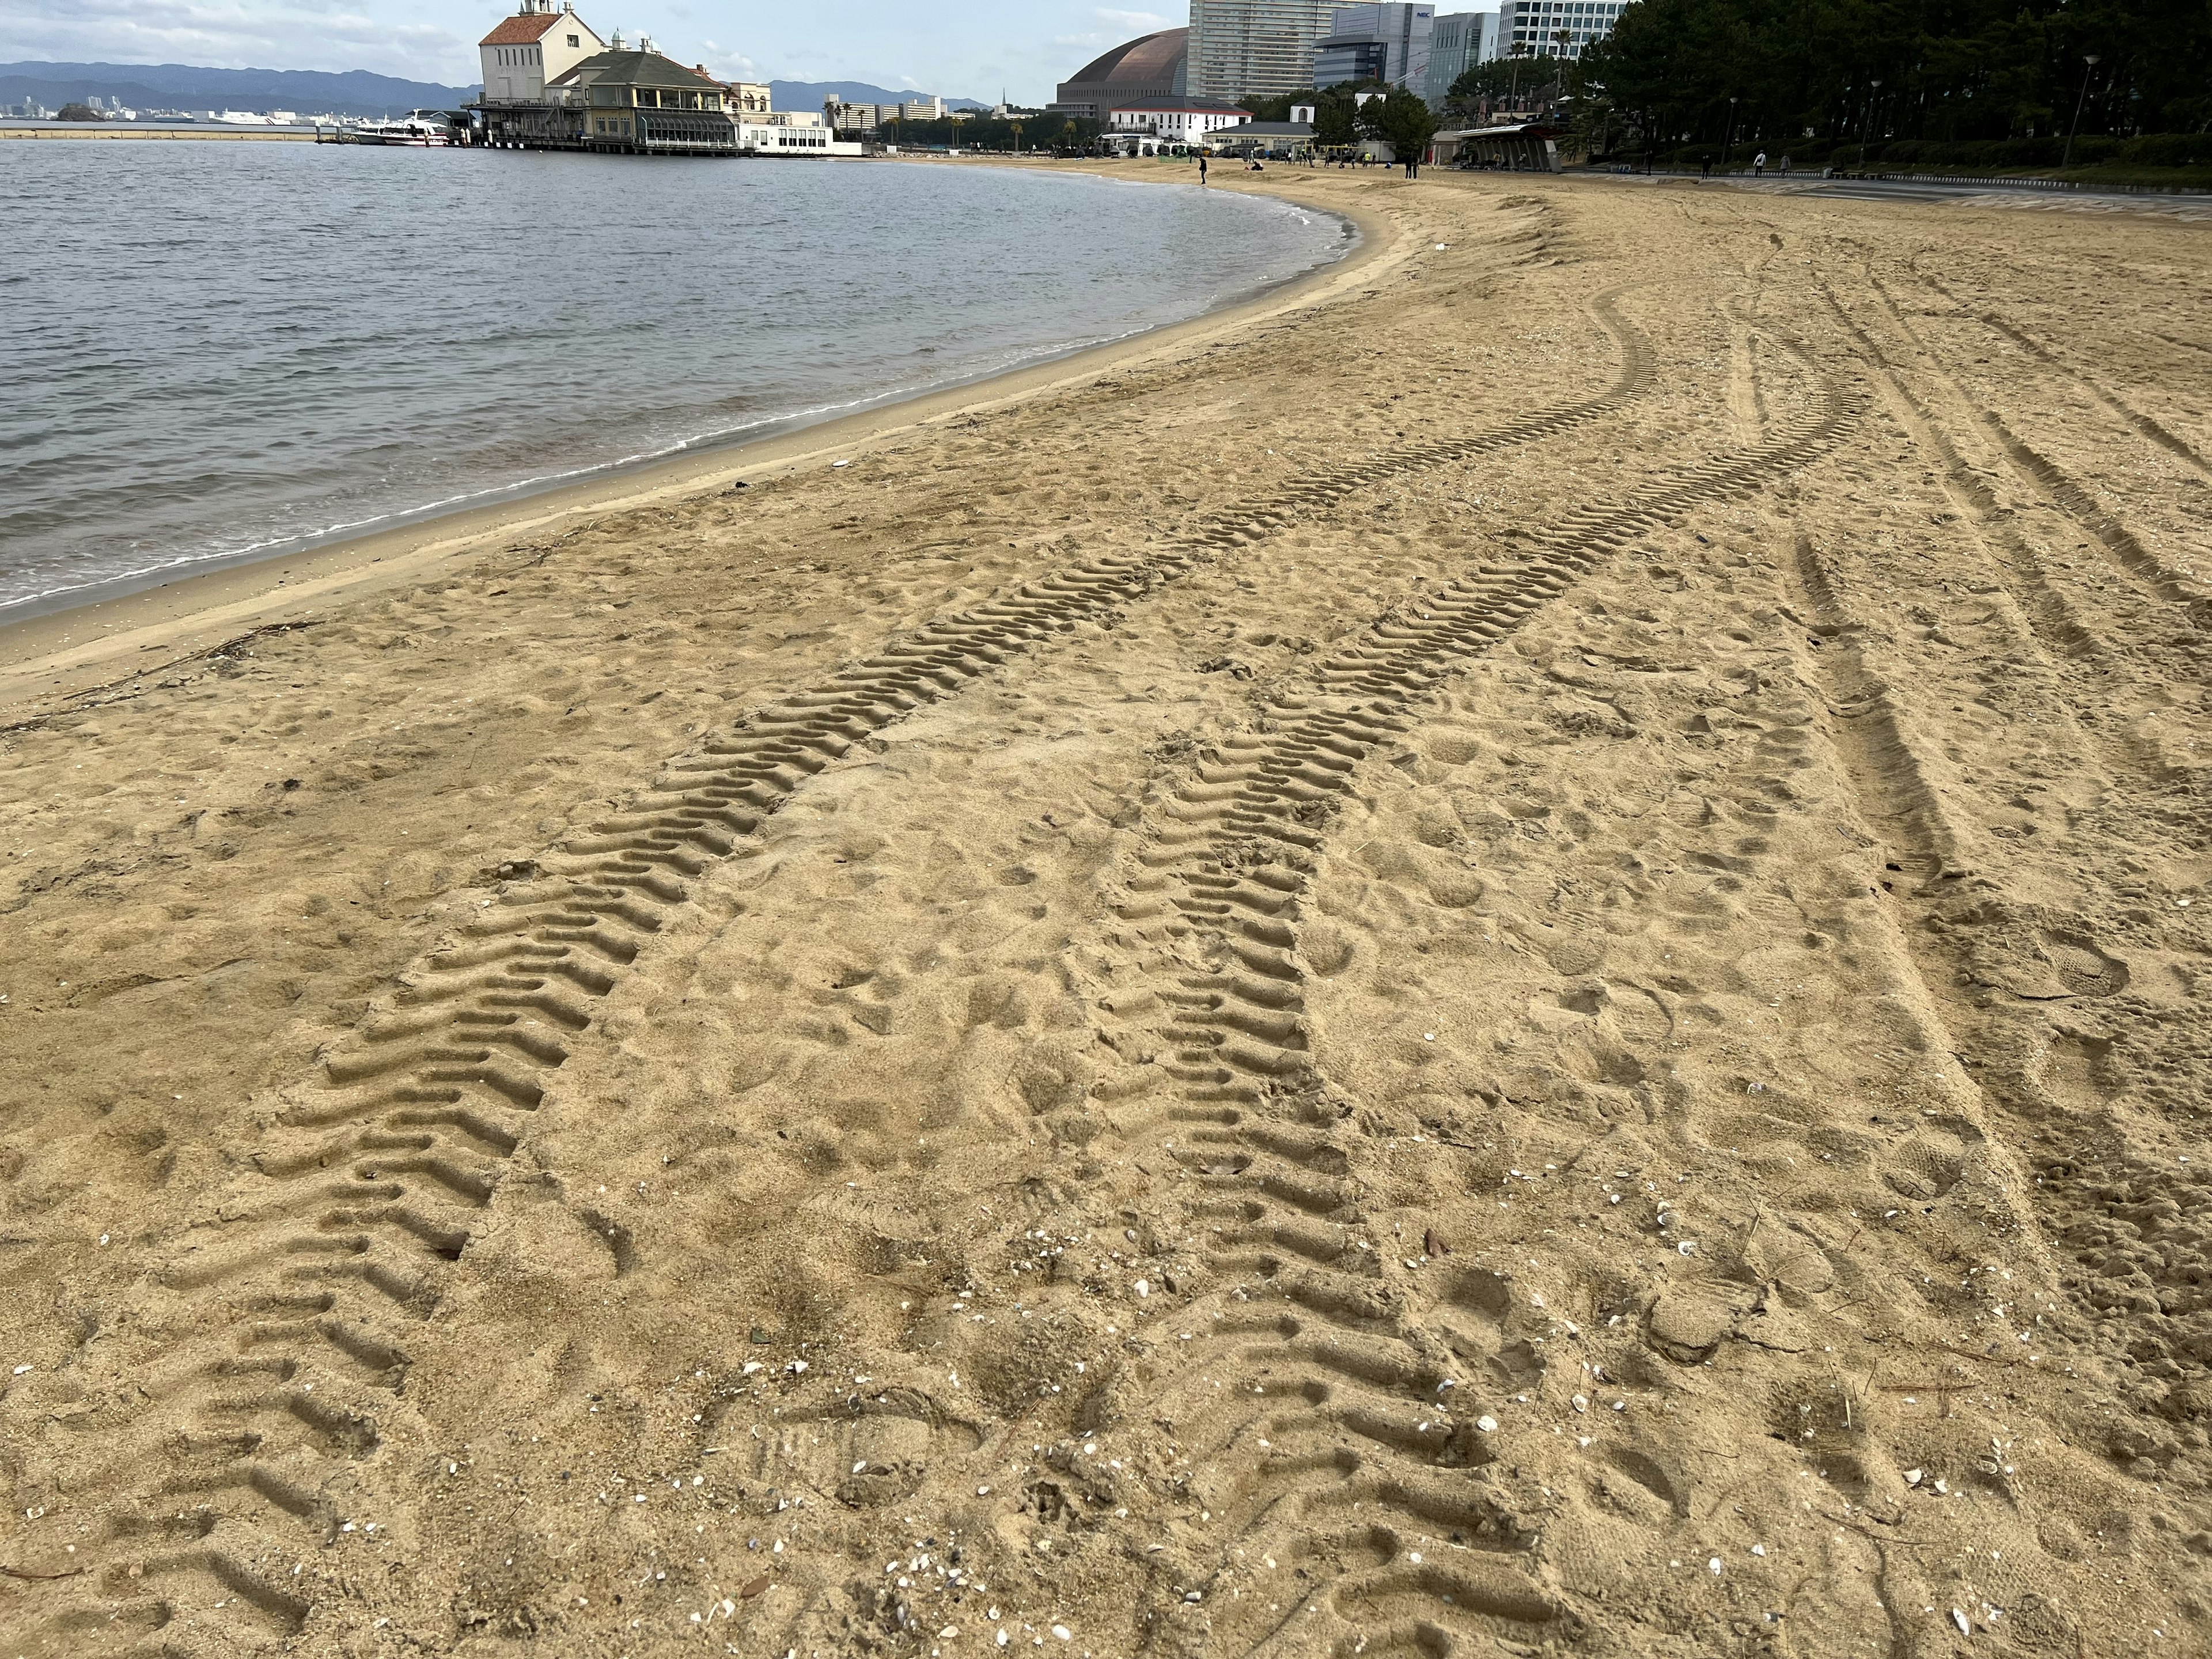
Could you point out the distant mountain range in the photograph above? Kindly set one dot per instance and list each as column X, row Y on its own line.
column 312, row 91
column 809, row 94
column 181, row 85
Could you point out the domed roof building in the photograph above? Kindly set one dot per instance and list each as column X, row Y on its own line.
column 1150, row 66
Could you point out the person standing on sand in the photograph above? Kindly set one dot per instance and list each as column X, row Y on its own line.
column 1759, row 165
column 1201, row 166
column 1706, row 170
column 1785, row 168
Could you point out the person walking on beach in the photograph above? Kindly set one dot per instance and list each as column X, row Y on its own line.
column 1706, row 170
column 1201, row 166
column 1785, row 168
column 1759, row 165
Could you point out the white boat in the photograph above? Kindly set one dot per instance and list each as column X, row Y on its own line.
column 421, row 127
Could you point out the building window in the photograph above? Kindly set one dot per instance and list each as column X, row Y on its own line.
column 574, row 43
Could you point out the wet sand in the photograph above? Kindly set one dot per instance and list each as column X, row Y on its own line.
column 1510, row 958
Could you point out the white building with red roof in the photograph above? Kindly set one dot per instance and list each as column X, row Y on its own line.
column 535, row 45
column 1179, row 119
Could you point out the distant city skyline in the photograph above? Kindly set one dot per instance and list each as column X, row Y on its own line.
column 972, row 50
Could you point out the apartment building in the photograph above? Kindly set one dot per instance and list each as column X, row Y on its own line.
column 1255, row 48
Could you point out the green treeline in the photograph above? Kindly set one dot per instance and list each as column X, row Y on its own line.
column 1340, row 120
column 1988, row 81
column 1057, row 133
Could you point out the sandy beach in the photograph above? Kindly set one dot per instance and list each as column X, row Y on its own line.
column 1507, row 954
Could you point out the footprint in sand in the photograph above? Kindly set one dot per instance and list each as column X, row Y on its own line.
column 1928, row 1162
column 864, row 1452
column 2057, row 964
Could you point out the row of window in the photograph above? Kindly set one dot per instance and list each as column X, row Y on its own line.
column 648, row 98
column 1203, row 123
column 521, row 54
column 1580, row 20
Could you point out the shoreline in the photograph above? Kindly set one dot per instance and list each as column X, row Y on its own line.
column 92, row 130
column 43, row 655
column 123, row 585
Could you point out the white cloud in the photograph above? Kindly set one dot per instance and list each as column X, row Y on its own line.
column 286, row 35
column 1144, row 22
column 730, row 65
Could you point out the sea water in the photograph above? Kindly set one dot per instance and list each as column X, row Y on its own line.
column 211, row 351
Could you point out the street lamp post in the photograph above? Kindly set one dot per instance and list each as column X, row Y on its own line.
column 1727, row 149
column 1873, row 98
column 2089, row 62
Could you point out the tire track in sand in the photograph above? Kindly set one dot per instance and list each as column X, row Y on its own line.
column 2125, row 1219
column 1316, row 1380
column 2127, row 550
column 284, row 1347
column 2149, row 426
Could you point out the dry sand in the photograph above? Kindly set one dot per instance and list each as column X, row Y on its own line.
column 1514, row 962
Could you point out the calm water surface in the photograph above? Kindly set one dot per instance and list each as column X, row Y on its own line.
column 211, row 350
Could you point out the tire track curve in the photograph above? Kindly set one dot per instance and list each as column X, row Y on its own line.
column 287, row 1351
column 1327, row 1380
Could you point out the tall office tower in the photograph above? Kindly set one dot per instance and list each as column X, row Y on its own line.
column 1255, row 48
column 1457, row 42
column 1380, row 42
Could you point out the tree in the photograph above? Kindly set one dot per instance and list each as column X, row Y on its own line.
column 1062, row 134
column 1277, row 108
column 1406, row 121
column 1336, row 118
column 1494, row 79
column 1526, row 81
column 1994, row 80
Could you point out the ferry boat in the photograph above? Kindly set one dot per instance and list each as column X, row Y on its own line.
column 421, row 127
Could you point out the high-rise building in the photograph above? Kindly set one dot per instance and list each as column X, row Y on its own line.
column 1254, row 48
column 1533, row 29
column 1458, row 40
column 1387, row 42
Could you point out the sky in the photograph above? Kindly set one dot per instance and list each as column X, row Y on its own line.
column 965, row 49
